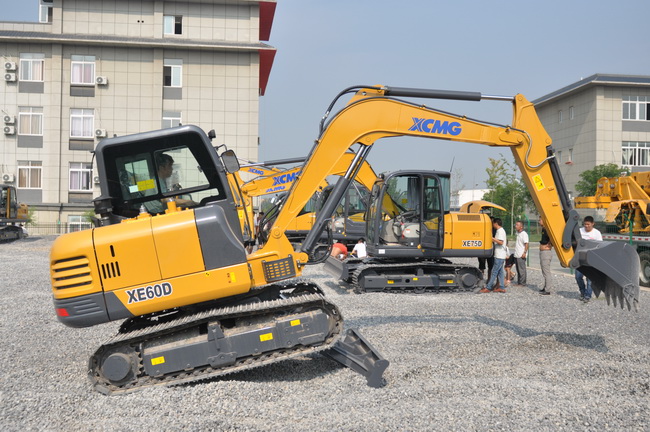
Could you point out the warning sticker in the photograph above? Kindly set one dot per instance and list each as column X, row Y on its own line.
column 539, row 183
column 157, row 360
column 146, row 185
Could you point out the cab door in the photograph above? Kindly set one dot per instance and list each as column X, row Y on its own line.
column 433, row 211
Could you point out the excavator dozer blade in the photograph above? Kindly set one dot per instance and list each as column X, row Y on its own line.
column 612, row 267
column 355, row 352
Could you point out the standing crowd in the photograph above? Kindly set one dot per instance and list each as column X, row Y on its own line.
column 499, row 265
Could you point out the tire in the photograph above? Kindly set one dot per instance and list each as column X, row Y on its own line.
column 644, row 268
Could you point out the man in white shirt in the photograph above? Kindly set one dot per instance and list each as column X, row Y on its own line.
column 521, row 252
column 500, row 243
column 590, row 233
column 360, row 249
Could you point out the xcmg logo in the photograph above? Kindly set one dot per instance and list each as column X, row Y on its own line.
column 435, row 126
column 255, row 171
column 284, row 178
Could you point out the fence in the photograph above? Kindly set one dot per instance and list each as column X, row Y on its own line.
column 56, row 228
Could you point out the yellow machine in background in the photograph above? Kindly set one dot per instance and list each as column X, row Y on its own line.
column 625, row 199
column 197, row 306
column 280, row 181
column 12, row 214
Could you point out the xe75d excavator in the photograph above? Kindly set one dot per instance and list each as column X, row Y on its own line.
column 196, row 306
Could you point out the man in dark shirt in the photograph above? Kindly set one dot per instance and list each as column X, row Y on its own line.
column 545, row 256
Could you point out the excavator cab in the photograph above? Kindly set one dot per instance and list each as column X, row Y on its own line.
column 145, row 175
column 348, row 221
column 8, row 202
column 406, row 213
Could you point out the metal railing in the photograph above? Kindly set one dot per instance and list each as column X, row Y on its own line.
column 55, row 228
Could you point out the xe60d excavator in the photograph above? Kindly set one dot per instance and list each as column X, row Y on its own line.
column 196, row 306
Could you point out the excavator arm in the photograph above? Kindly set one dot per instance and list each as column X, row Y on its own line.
column 375, row 113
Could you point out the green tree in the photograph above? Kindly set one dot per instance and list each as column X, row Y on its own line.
column 508, row 190
column 588, row 179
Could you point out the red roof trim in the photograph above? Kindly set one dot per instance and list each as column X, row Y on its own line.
column 266, row 63
column 267, row 12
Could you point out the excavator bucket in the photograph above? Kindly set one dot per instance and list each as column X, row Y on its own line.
column 355, row 352
column 612, row 267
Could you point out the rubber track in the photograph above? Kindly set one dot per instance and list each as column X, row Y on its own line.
column 399, row 290
column 143, row 381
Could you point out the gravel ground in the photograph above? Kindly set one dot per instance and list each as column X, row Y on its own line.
column 514, row 361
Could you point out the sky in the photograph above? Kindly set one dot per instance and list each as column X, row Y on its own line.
column 498, row 47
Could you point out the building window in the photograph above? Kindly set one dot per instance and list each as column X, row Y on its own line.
column 171, row 119
column 173, row 71
column 636, row 108
column 82, row 123
column 45, row 11
column 81, row 176
column 571, row 113
column 31, row 67
column 172, row 25
column 570, row 155
column 559, row 156
column 560, row 116
column 83, row 70
column 30, row 121
column 78, row 223
column 635, row 153
column 29, row 174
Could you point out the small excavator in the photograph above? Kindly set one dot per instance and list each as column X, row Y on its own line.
column 404, row 214
column 12, row 214
column 194, row 305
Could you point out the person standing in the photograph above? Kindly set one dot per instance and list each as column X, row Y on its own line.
column 587, row 232
column 545, row 256
column 490, row 260
column 500, row 242
column 521, row 252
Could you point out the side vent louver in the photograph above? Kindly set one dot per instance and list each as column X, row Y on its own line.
column 71, row 273
column 111, row 270
column 469, row 217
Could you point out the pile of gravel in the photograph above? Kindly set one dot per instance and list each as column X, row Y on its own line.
column 514, row 361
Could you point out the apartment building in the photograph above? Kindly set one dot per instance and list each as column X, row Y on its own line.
column 597, row 120
column 94, row 69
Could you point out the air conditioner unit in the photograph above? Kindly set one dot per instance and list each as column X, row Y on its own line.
column 9, row 130
column 9, row 76
column 100, row 133
column 9, row 120
column 101, row 80
column 8, row 178
column 96, row 179
column 10, row 66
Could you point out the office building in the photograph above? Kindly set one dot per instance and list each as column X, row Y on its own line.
column 94, row 69
column 598, row 120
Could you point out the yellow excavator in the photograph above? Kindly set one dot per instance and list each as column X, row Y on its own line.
column 12, row 214
column 270, row 179
column 405, row 248
column 197, row 306
column 279, row 181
